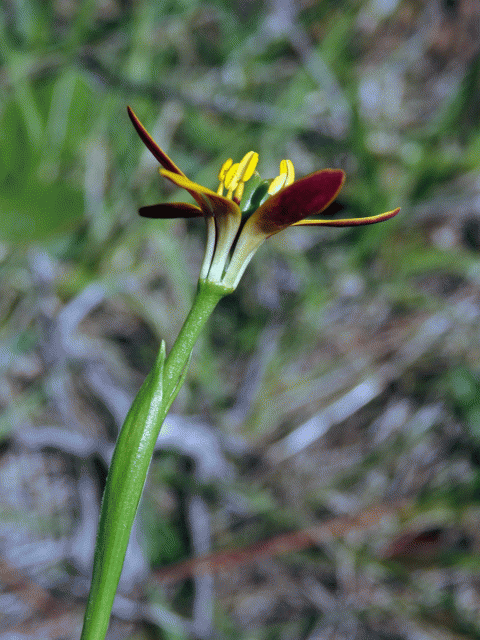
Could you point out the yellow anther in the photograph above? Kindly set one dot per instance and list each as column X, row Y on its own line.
column 247, row 166
column 277, row 184
column 286, row 166
column 221, row 176
column 286, row 177
column 232, row 176
column 241, row 171
column 231, row 179
column 225, row 167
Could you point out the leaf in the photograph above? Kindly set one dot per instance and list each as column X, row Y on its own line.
column 33, row 205
column 125, row 481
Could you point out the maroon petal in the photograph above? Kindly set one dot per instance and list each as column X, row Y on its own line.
column 170, row 210
column 152, row 146
column 303, row 198
column 348, row 222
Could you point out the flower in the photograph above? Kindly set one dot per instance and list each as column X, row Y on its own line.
column 235, row 233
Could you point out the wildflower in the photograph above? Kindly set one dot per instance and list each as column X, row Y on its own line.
column 235, row 233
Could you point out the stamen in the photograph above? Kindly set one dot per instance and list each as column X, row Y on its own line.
column 247, row 166
column 241, row 172
column 286, row 177
column 231, row 179
column 225, row 167
column 277, row 184
column 221, row 176
column 233, row 176
column 237, row 196
column 286, row 166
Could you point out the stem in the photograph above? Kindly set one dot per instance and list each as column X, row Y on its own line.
column 131, row 460
column 208, row 295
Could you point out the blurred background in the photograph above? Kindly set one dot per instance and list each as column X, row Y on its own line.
column 325, row 449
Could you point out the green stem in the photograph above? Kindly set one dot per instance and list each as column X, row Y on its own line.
column 131, row 460
column 208, row 295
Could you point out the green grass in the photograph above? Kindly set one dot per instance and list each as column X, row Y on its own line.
column 317, row 313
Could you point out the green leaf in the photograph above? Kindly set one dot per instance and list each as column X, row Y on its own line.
column 33, row 204
column 123, row 489
column 37, row 211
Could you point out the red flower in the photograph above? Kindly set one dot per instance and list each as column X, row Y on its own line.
column 271, row 207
